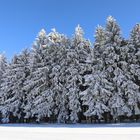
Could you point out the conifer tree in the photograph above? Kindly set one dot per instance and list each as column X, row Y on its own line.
column 93, row 97
column 134, row 53
column 3, row 67
column 132, row 57
column 58, row 46
column 12, row 88
column 39, row 102
column 3, row 64
column 78, row 56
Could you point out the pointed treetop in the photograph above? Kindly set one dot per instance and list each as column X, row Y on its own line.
column 110, row 19
column 136, row 28
column 42, row 33
column 138, row 25
column 79, row 31
column 135, row 34
column 112, row 28
column 2, row 56
column 40, row 39
column 53, row 36
column 99, row 35
column 78, row 35
column 14, row 59
column 99, row 31
column 111, row 25
column 53, row 33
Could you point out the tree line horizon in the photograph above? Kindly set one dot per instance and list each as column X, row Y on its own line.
column 68, row 80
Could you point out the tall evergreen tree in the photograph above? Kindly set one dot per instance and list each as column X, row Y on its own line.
column 133, row 53
column 78, row 57
column 39, row 101
column 3, row 67
column 57, row 53
column 3, row 64
column 132, row 70
column 12, row 88
column 93, row 97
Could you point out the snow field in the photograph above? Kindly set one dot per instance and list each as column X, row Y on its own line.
column 62, row 133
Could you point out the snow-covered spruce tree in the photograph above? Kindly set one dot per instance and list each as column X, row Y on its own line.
column 111, row 58
column 133, row 53
column 116, row 73
column 125, row 83
column 132, row 70
column 77, row 59
column 58, row 47
column 112, row 72
column 105, row 95
column 3, row 66
column 12, row 88
column 96, row 96
column 39, row 101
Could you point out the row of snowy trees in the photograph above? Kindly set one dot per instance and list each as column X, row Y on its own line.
column 66, row 80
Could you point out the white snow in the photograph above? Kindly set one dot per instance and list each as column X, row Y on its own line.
column 70, row 132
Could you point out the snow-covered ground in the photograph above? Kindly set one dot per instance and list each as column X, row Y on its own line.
column 70, row 132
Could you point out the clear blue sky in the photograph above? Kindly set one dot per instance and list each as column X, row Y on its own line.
column 21, row 20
